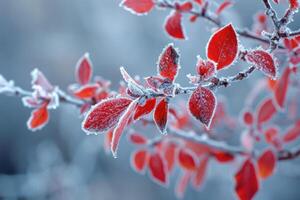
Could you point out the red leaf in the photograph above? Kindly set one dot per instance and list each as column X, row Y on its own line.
column 38, row 119
column 266, row 111
column 186, row 160
column 281, row 87
column 169, row 155
column 157, row 169
column 84, row 70
column 138, row 6
column 182, row 184
column 139, row 159
column 202, row 105
column 200, row 2
column 205, row 68
column 294, row 4
column 292, row 134
column 223, row 47
column 136, row 138
column 105, row 114
column 86, row 92
column 248, row 118
column 168, row 63
column 173, row 25
column 145, row 109
column 200, row 172
column 266, row 164
column 246, row 181
column 186, row 6
column 119, row 129
column 161, row 115
column 223, row 6
column 223, row 156
column 263, row 61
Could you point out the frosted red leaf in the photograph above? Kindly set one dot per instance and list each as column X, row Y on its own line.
column 138, row 6
column 39, row 79
column 226, row 4
column 86, row 91
column 136, row 138
column 292, row 133
column 200, row 172
column 271, row 134
column 168, row 62
column 186, row 6
column 105, row 114
column 202, row 105
column 121, row 125
column 223, row 157
column 266, row 111
column 294, row 4
column 223, row 47
column 186, row 160
column 157, row 169
column 263, row 61
column 145, row 109
column 182, row 184
column 205, row 68
column 248, row 118
column 139, row 159
column 169, row 155
column 84, row 70
column 246, row 184
column 161, row 115
column 266, row 164
column 173, row 25
column 38, row 119
column 281, row 87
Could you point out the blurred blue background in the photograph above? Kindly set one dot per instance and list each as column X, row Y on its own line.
column 60, row 161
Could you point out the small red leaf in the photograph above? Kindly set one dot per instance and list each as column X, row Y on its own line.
column 86, row 92
column 161, row 115
column 292, row 134
column 182, row 184
column 186, row 6
column 84, row 70
column 157, row 169
column 121, row 125
column 200, row 172
column 38, row 119
column 281, row 87
column 223, row 47
column 139, row 159
column 136, row 138
column 223, row 6
column 169, row 155
column 266, row 164
column 105, row 114
column 168, row 62
column 266, row 111
column 263, row 61
column 248, row 118
column 202, row 105
column 138, row 6
column 294, row 5
column 205, row 68
column 246, row 181
column 145, row 109
column 186, row 160
column 223, row 157
column 173, row 25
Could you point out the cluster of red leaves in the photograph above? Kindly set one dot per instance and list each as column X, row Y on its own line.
column 173, row 23
column 44, row 97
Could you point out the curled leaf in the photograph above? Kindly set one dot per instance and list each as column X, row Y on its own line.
column 84, row 70
column 38, row 119
column 173, row 25
column 138, row 6
column 161, row 115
